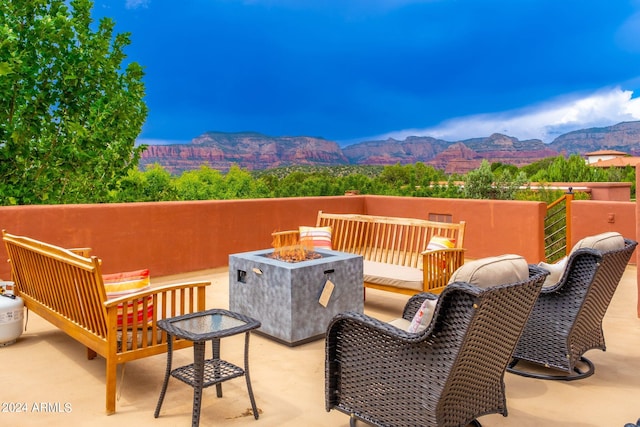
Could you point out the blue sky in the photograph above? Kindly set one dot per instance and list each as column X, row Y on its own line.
column 355, row 70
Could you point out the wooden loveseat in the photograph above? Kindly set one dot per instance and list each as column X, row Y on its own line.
column 394, row 250
column 67, row 289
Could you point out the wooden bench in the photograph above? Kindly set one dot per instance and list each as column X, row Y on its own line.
column 394, row 249
column 66, row 288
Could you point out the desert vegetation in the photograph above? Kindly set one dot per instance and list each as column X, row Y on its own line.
column 489, row 181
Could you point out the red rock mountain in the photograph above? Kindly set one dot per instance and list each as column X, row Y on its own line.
column 248, row 150
column 254, row 151
column 467, row 155
column 623, row 137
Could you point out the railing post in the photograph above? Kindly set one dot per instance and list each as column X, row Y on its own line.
column 569, row 199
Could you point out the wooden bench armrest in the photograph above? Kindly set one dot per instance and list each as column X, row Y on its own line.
column 113, row 303
column 432, row 253
column 438, row 266
column 153, row 305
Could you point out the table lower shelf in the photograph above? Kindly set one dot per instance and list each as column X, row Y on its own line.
column 215, row 371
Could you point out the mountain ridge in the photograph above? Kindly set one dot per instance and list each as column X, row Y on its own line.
column 255, row 151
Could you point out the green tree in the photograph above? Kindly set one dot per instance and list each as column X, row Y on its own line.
column 573, row 169
column 356, row 182
column 202, row 184
column 478, row 183
column 482, row 183
column 153, row 185
column 239, row 184
column 69, row 112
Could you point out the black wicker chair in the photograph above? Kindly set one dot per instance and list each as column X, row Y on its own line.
column 566, row 320
column 447, row 375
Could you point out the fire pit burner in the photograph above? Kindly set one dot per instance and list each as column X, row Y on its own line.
column 293, row 254
column 287, row 247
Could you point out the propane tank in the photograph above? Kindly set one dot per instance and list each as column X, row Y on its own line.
column 11, row 314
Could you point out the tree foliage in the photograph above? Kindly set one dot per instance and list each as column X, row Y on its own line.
column 484, row 183
column 573, row 169
column 70, row 110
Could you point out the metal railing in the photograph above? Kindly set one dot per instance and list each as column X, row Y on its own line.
column 557, row 228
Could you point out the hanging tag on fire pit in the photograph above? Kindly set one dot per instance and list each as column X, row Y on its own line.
column 327, row 290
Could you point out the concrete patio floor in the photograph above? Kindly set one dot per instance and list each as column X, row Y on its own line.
column 47, row 367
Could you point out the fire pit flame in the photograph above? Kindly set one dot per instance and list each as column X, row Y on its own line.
column 288, row 248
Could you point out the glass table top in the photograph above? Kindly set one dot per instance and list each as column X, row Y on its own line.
column 207, row 323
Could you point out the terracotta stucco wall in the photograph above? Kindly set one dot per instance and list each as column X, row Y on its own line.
column 167, row 237
column 177, row 237
column 603, row 191
column 594, row 217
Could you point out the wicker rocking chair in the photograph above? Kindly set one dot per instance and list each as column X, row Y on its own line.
column 447, row 375
column 566, row 320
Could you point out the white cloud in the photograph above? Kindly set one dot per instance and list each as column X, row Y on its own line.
column 543, row 121
column 136, row 4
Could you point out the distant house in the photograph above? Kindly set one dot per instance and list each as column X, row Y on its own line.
column 610, row 158
column 603, row 155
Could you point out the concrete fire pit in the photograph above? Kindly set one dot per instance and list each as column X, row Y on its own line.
column 285, row 296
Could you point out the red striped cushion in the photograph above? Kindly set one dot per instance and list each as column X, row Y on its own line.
column 318, row 237
column 439, row 242
column 127, row 283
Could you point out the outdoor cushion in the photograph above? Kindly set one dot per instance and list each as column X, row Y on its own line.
column 439, row 242
column 423, row 316
column 317, row 237
column 390, row 274
column 603, row 242
column 127, row 283
column 401, row 323
column 421, row 319
column 497, row 270
column 555, row 270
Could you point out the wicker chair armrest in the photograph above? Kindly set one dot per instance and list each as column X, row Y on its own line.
column 165, row 289
column 369, row 327
column 573, row 258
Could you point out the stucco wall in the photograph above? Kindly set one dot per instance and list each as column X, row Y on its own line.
column 594, row 217
column 177, row 237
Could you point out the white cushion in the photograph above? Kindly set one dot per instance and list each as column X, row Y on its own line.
column 423, row 316
column 491, row 271
column 421, row 319
column 439, row 242
column 603, row 242
column 555, row 270
column 392, row 275
column 401, row 323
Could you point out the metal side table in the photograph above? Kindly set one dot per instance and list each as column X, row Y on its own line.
column 201, row 327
